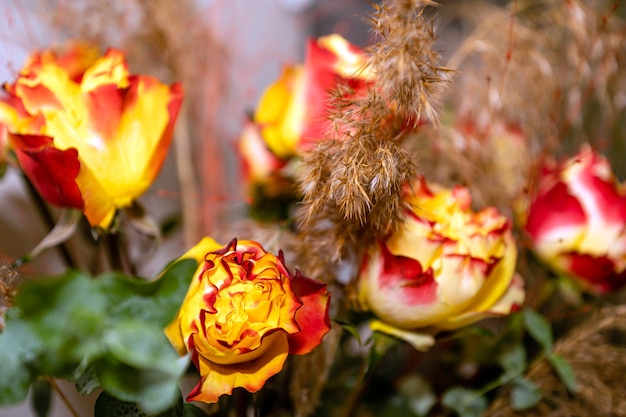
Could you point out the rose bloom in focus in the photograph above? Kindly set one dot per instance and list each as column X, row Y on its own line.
column 243, row 315
column 444, row 268
column 88, row 134
column 576, row 221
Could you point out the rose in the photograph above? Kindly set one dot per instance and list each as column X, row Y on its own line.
column 262, row 170
column 445, row 267
column 292, row 112
column 258, row 162
column 576, row 221
column 243, row 314
column 88, row 134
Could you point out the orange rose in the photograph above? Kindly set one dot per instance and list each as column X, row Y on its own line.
column 243, row 314
column 88, row 134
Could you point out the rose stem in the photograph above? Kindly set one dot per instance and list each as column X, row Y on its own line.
column 63, row 397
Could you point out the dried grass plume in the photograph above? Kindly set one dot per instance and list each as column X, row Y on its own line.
column 596, row 350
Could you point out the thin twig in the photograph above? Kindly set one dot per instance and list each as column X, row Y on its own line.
column 63, row 397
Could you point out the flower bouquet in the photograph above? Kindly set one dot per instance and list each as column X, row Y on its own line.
column 421, row 238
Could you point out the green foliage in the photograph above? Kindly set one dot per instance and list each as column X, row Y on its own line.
column 564, row 371
column 350, row 328
column 381, row 343
column 539, row 328
column 465, row 402
column 524, row 394
column 513, row 362
column 106, row 332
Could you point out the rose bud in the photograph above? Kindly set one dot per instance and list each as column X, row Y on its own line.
column 292, row 112
column 576, row 221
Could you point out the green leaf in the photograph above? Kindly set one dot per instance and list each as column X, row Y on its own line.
column 466, row 402
column 142, row 346
column 66, row 314
column 113, row 325
column 140, row 366
column 41, row 395
column 381, row 343
column 524, row 394
column 564, row 370
column 155, row 302
column 154, row 391
column 539, row 328
column 350, row 328
column 513, row 361
column 109, row 406
column 19, row 345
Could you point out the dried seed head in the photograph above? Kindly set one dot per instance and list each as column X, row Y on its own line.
column 404, row 61
column 8, row 283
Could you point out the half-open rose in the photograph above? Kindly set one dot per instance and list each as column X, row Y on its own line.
column 88, row 134
column 243, row 314
column 446, row 267
column 293, row 111
column 577, row 221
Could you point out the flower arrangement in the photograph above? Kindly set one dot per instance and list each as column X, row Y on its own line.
column 418, row 241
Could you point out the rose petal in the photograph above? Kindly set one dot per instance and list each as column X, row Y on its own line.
column 280, row 112
column 598, row 273
column 52, row 172
column 218, row 380
column 510, row 301
column 591, row 182
column 258, row 162
column 556, row 220
column 312, row 317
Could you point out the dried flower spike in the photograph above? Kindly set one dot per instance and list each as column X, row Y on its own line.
column 404, row 61
column 8, row 283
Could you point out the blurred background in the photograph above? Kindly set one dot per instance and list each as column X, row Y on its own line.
column 549, row 68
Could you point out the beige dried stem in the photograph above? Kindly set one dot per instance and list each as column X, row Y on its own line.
column 596, row 351
column 351, row 184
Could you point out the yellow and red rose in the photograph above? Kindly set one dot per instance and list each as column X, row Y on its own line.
column 86, row 132
column 243, row 315
column 445, row 267
column 292, row 112
column 292, row 115
column 577, row 221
